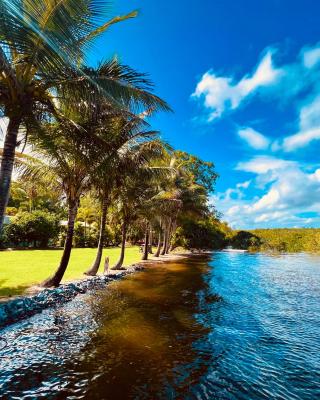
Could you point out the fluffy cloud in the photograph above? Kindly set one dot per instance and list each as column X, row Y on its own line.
column 281, row 192
column 309, row 124
column 311, row 56
column 263, row 164
column 237, row 192
column 254, row 139
column 289, row 191
column 309, row 130
column 222, row 93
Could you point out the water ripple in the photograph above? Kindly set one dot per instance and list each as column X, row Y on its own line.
column 237, row 326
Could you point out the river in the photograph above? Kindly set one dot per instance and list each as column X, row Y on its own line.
column 224, row 326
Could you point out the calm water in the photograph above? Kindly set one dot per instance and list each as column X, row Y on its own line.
column 232, row 326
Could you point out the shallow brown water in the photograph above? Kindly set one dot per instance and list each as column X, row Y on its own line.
column 136, row 339
column 147, row 331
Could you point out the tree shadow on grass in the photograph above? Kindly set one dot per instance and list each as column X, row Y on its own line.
column 10, row 291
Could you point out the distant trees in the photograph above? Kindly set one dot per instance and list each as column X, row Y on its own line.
column 278, row 240
column 206, row 233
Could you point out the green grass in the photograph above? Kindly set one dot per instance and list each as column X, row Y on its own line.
column 20, row 269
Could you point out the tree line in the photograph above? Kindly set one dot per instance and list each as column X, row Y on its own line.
column 290, row 240
column 87, row 134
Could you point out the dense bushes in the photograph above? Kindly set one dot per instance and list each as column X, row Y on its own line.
column 245, row 240
column 281, row 240
column 200, row 234
column 35, row 229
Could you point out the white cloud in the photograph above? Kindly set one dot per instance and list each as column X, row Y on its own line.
column 300, row 139
column 309, row 124
column 244, row 185
column 271, row 216
column 254, row 139
column 310, row 114
column 282, row 192
column 236, row 193
column 309, row 130
column 264, row 164
column 222, row 93
column 290, row 191
column 311, row 56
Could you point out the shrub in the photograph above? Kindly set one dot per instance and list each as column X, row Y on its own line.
column 199, row 234
column 85, row 237
column 245, row 240
column 35, row 228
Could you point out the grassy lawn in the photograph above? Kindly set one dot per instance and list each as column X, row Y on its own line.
column 20, row 269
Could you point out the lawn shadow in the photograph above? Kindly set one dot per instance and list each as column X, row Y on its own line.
column 9, row 291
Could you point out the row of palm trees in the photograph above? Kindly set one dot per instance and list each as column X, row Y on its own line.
column 126, row 168
column 86, row 128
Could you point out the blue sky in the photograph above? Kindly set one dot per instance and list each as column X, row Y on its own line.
column 243, row 79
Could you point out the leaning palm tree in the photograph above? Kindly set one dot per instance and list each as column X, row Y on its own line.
column 42, row 45
column 76, row 151
column 127, row 139
column 134, row 190
column 66, row 162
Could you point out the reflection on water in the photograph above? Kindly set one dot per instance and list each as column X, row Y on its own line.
column 237, row 326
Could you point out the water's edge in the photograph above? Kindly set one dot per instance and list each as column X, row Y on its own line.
column 22, row 307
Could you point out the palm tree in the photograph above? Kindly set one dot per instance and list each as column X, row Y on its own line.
column 180, row 193
column 128, row 149
column 42, row 45
column 66, row 162
column 76, row 150
column 136, row 188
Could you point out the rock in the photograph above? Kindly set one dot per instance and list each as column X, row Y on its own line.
column 17, row 309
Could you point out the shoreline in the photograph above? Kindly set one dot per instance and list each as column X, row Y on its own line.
column 37, row 299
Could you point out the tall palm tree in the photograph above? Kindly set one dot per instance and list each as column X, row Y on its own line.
column 77, row 149
column 135, row 189
column 179, row 192
column 129, row 150
column 67, row 161
column 42, row 45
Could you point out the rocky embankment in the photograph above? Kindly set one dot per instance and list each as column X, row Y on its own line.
column 14, row 310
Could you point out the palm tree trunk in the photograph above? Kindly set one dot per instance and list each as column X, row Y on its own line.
column 150, row 241
column 7, row 160
column 173, row 229
column 168, row 237
column 146, row 244
column 57, row 277
column 96, row 264
column 118, row 265
column 157, row 253
column 164, row 246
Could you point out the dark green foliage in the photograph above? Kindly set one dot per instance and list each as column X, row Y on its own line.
column 280, row 240
column 88, row 236
column 85, row 236
column 203, row 171
column 200, row 234
column 245, row 240
column 35, row 228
